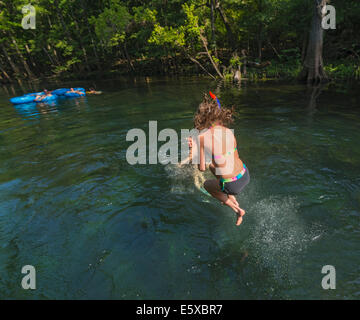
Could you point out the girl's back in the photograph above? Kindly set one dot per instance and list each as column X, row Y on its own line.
column 221, row 147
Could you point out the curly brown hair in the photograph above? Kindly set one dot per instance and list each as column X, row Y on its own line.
column 209, row 112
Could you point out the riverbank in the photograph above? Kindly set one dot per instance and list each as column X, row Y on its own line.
column 342, row 70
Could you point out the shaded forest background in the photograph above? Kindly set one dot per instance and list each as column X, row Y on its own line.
column 220, row 38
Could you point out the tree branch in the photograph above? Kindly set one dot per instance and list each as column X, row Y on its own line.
column 200, row 65
column 204, row 41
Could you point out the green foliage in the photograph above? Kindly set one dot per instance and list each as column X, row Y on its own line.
column 111, row 24
column 167, row 36
column 85, row 36
column 343, row 70
column 67, row 66
column 285, row 70
column 236, row 61
column 192, row 22
column 357, row 73
column 143, row 15
column 216, row 60
column 184, row 35
column 67, row 50
column 228, row 77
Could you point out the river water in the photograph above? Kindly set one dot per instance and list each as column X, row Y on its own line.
column 96, row 227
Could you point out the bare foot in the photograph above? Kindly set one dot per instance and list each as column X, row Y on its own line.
column 239, row 220
column 239, row 217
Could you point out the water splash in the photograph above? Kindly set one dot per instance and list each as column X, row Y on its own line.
column 280, row 236
column 185, row 178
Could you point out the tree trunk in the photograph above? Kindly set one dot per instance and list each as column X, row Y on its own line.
column 230, row 34
column 22, row 58
column 47, row 53
column 55, row 54
column 128, row 57
column 215, row 65
column 95, row 49
column 13, row 66
column 259, row 43
column 5, row 74
column 81, row 44
column 30, row 57
column 213, row 41
column 244, row 55
column 67, row 32
column 303, row 49
column 237, row 76
column 49, row 48
column 313, row 67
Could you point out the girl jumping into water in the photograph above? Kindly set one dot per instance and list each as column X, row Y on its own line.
column 219, row 143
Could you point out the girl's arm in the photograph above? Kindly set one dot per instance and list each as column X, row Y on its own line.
column 202, row 166
column 191, row 152
column 197, row 152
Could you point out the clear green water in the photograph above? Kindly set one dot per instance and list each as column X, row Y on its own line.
column 95, row 227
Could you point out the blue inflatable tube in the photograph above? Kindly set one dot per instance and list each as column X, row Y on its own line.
column 79, row 89
column 30, row 97
column 22, row 99
column 53, row 97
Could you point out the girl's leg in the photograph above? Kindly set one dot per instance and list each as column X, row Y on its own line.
column 212, row 186
column 212, row 169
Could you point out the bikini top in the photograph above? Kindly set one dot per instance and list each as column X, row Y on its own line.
column 222, row 155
